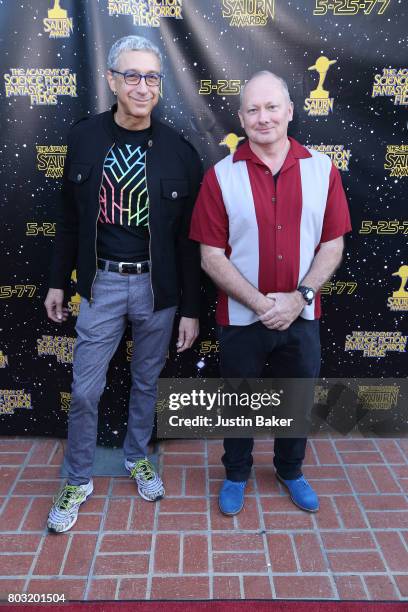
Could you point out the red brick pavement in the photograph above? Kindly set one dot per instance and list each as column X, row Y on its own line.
column 355, row 547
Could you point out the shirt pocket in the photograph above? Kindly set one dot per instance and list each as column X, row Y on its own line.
column 174, row 190
column 78, row 173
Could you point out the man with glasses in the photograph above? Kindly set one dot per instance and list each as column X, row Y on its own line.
column 129, row 187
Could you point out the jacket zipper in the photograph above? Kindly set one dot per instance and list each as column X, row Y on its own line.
column 150, row 234
column 96, row 227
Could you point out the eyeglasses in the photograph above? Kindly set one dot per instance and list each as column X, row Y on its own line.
column 152, row 79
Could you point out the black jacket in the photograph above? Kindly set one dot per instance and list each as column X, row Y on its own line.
column 173, row 172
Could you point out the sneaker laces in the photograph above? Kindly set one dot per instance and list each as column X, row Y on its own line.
column 68, row 496
column 144, row 469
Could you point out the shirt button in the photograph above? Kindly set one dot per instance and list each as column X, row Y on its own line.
column 174, row 195
column 266, row 171
column 279, row 227
column 79, row 177
column 150, row 143
column 273, row 199
column 280, row 257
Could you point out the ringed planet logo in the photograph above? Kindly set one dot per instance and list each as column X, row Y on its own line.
column 231, row 141
column 58, row 24
column 248, row 13
column 319, row 103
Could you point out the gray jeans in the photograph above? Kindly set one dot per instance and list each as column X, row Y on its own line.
column 100, row 327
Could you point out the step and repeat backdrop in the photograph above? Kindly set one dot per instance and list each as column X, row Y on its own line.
column 346, row 65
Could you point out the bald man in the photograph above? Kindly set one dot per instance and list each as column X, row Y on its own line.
column 270, row 219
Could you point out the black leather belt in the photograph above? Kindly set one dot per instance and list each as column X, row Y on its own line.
column 141, row 267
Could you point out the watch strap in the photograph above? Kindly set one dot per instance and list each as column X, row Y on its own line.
column 308, row 294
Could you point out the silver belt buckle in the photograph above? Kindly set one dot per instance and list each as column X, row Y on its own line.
column 120, row 266
column 138, row 268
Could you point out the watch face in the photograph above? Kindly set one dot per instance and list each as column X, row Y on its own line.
column 307, row 293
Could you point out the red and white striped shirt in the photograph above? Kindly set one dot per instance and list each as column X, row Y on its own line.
column 270, row 233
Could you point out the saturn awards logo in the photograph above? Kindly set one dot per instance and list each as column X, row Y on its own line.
column 51, row 160
column 399, row 299
column 248, row 13
column 57, row 24
column 396, row 160
column 378, row 397
column 319, row 102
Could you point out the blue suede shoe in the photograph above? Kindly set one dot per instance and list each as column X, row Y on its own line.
column 301, row 493
column 231, row 497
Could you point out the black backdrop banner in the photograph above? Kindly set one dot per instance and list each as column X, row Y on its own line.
column 344, row 63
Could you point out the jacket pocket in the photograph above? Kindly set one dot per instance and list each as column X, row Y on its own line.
column 78, row 173
column 174, row 189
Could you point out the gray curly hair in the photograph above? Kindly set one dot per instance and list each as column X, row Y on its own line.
column 131, row 43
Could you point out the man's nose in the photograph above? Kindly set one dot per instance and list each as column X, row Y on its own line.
column 263, row 116
column 142, row 86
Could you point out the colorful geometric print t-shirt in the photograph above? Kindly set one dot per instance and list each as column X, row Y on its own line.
column 123, row 229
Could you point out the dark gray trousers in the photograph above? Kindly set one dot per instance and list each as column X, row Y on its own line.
column 100, row 327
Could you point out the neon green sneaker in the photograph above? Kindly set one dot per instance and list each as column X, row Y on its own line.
column 149, row 483
column 64, row 512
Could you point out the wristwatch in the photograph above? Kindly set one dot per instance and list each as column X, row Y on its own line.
column 308, row 294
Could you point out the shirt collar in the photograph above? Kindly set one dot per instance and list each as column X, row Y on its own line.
column 296, row 151
column 117, row 135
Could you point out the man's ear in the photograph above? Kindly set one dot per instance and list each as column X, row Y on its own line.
column 111, row 80
column 291, row 111
column 241, row 120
